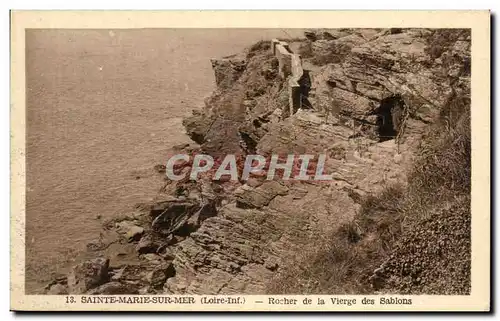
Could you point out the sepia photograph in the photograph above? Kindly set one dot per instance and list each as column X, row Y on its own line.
column 236, row 161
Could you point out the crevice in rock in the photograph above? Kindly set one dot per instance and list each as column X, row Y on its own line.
column 388, row 117
column 253, row 221
column 250, row 143
column 305, row 87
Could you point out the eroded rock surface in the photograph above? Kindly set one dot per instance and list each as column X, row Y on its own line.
column 88, row 275
column 368, row 96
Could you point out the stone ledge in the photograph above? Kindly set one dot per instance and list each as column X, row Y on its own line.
column 290, row 65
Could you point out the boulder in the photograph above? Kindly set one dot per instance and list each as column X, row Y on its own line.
column 334, row 51
column 128, row 273
column 186, row 216
column 227, row 70
column 249, row 197
column 311, row 35
column 134, row 233
column 152, row 258
column 112, row 288
column 267, row 226
column 147, row 244
column 197, row 127
column 253, row 182
column 171, row 208
column 157, row 277
column 272, row 263
column 88, row 275
column 58, row 289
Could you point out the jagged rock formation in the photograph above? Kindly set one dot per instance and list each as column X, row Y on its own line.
column 370, row 85
column 366, row 98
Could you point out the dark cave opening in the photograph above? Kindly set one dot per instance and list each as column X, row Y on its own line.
column 250, row 143
column 389, row 117
column 305, row 87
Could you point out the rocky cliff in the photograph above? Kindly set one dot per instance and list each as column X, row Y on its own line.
column 368, row 98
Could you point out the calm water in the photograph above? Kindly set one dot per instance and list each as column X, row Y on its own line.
column 103, row 106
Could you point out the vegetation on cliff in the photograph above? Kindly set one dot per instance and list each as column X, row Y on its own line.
column 391, row 111
column 411, row 237
column 405, row 239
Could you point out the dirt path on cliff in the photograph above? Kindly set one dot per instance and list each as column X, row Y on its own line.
column 102, row 108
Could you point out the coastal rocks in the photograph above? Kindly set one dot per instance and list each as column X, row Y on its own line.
column 253, row 182
column 305, row 131
column 227, row 70
column 134, row 233
column 58, row 289
column 152, row 259
column 272, row 264
column 128, row 273
column 113, row 288
column 130, row 229
column 267, row 225
column 249, row 197
column 161, row 206
column 147, row 244
column 147, row 275
column 211, row 257
column 88, row 275
column 182, row 215
column 157, row 277
column 241, row 249
column 236, row 240
column 361, row 89
column 57, row 286
column 197, row 127
column 333, row 51
column 250, row 98
column 325, row 34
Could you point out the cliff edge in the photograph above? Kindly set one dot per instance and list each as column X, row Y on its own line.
column 391, row 110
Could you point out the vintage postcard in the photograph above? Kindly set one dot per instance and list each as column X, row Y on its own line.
column 250, row 161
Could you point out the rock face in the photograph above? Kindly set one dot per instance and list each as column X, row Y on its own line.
column 238, row 251
column 134, row 233
column 372, row 95
column 113, row 288
column 57, row 289
column 368, row 96
column 249, row 197
column 228, row 70
column 250, row 98
column 147, row 244
column 390, row 74
column 88, row 275
column 334, row 50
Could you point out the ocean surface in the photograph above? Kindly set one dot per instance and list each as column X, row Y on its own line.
column 103, row 107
